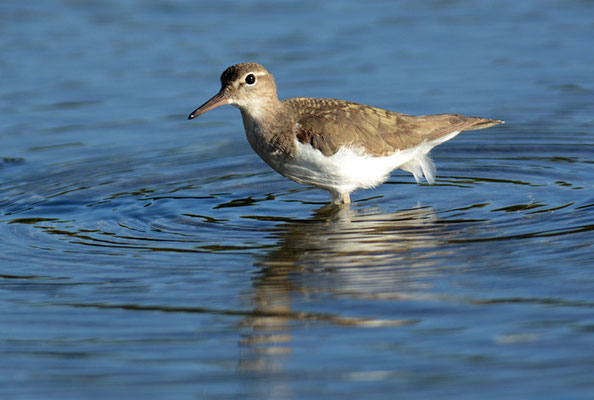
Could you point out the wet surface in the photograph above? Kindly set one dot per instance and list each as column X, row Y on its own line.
column 149, row 256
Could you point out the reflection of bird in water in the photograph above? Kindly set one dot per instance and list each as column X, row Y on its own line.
column 342, row 238
column 340, row 251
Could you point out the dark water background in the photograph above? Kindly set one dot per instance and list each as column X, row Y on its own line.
column 146, row 256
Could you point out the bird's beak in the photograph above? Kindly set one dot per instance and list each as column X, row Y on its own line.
column 217, row 100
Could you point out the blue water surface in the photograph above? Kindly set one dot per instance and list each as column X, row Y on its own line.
column 147, row 256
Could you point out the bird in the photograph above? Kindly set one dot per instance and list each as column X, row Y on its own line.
column 335, row 145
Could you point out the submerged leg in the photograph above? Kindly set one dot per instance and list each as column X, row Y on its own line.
column 340, row 197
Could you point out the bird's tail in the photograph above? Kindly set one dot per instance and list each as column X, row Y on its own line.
column 421, row 165
column 482, row 123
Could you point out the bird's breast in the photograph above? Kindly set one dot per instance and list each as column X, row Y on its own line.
column 274, row 145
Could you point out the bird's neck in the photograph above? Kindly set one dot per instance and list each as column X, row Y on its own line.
column 264, row 110
column 267, row 126
column 264, row 114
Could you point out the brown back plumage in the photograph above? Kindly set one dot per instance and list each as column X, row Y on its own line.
column 328, row 124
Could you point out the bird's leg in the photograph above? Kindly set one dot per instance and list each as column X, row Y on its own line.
column 340, row 197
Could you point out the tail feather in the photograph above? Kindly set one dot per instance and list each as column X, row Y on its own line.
column 482, row 123
column 421, row 165
column 455, row 122
column 449, row 125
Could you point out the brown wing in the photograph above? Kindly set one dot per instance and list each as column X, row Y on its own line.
column 328, row 125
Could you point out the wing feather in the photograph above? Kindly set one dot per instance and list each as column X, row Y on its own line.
column 328, row 125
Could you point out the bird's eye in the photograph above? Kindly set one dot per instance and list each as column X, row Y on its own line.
column 250, row 79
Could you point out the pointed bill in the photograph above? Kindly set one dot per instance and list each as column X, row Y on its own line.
column 217, row 100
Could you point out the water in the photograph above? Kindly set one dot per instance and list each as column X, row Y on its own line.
column 147, row 256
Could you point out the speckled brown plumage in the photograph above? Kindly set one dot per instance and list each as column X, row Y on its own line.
column 329, row 124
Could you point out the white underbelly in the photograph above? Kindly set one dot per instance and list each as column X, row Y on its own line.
column 346, row 170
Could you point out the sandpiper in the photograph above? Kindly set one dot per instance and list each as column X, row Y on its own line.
column 335, row 145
